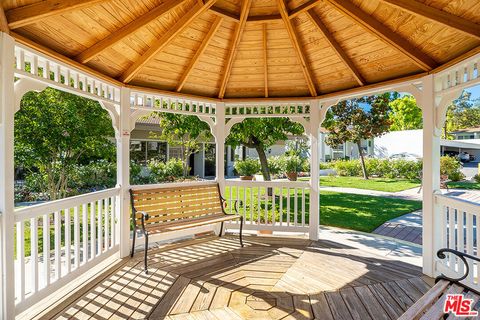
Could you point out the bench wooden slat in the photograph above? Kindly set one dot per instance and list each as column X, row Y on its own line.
column 163, row 193
column 192, row 223
column 183, row 216
column 149, row 202
column 419, row 307
column 180, row 204
column 436, row 311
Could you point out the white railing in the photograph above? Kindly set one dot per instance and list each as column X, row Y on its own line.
column 171, row 104
column 57, row 241
column 459, row 221
column 33, row 64
column 245, row 110
column 270, row 205
column 460, row 75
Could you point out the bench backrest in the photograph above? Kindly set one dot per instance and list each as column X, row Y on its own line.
column 176, row 203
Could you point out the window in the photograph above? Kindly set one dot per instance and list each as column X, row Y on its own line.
column 175, row 152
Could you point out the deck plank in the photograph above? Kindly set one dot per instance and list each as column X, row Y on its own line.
column 213, row 278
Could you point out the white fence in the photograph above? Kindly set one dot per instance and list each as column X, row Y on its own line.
column 58, row 240
column 459, row 221
column 269, row 205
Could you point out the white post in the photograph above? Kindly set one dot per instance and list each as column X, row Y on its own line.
column 314, row 222
column 219, row 133
column 431, row 176
column 123, row 173
column 7, row 112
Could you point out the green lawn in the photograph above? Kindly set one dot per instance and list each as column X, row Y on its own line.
column 378, row 184
column 464, row 185
column 350, row 211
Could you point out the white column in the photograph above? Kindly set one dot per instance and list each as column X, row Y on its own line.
column 7, row 112
column 314, row 222
column 431, row 176
column 123, row 173
column 219, row 134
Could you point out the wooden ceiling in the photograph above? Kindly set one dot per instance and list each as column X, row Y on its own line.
column 251, row 48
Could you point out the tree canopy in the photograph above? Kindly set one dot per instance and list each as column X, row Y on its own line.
column 462, row 113
column 262, row 133
column 358, row 119
column 405, row 114
column 55, row 130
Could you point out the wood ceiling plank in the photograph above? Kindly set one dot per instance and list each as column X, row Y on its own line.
column 335, row 46
column 374, row 26
column 234, row 47
column 264, row 18
column 265, row 58
column 29, row 14
column 166, row 39
column 224, row 14
column 127, row 30
column 437, row 15
column 3, row 21
column 304, row 7
column 282, row 6
column 206, row 41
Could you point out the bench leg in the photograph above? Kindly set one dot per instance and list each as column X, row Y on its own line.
column 146, row 250
column 133, row 242
column 241, row 228
column 221, row 229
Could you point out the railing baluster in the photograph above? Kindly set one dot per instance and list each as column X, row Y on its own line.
column 46, row 249
column 280, row 201
column 469, row 240
column 112, row 221
column 273, row 207
column 295, row 205
column 460, row 237
column 245, row 203
column 303, row 207
column 258, row 206
column 58, row 245
column 106, row 237
column 34, row 253
column 68, row 241
column 21, row 259
column 288, row 206
column 76, row 236
column 85, row 233
column 99, row 226
column 251, row 205
column 92, row 231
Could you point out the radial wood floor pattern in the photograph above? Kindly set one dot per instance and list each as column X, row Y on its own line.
column 270, row 278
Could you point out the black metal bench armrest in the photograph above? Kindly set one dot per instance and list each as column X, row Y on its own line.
column 235, row 205
column 145, row 217
column 441, row 254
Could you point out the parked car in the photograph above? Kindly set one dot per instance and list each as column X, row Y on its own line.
column 405, row 156
column 461, row 156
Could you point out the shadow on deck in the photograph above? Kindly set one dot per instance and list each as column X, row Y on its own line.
column 271, row 278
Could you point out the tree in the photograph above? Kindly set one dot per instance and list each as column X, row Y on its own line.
column 260, row 134
column 187, row 132
column 462, row 113
column 54, row 130
column 405, row 114
column 358, row 119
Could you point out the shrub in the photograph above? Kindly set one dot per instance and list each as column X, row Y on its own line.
column 382, row 168
column 347, row 167
column 275, row 164
column 292, row 163
column 247, row 167
column 449, row 166
column 160, row 171
column 476, row 178
column 456, row 176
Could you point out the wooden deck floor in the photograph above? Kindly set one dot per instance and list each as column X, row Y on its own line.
column 271, row 278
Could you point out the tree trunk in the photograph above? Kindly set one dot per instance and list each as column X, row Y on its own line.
column 264, row 163
column 362, row 160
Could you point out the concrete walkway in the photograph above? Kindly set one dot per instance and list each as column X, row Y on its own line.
column 410, row 194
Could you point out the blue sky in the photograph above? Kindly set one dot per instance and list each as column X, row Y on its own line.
column 475, row 92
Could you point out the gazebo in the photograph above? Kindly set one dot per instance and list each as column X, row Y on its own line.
column 223, row 61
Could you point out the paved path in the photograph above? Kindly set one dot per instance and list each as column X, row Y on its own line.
column 409, row 227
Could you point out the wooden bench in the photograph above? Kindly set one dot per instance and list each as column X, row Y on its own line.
column 431, row 305
column 170, row 209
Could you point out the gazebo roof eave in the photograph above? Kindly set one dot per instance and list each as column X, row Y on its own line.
column 368, row 89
